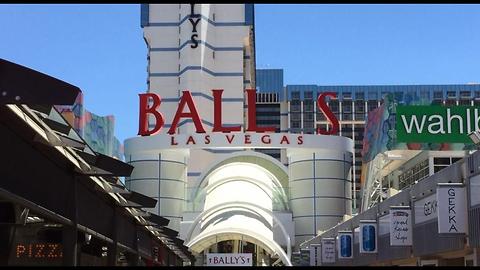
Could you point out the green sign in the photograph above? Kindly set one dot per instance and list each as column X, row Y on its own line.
column 436, row 124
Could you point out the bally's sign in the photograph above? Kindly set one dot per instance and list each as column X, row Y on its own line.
column 194, row 19
column 229, row 259
column 150, row 103
column 436, row 124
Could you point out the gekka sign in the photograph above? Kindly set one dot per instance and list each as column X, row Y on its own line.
column 452, row 208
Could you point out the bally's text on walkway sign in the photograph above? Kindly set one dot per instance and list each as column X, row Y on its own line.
column 229, row 259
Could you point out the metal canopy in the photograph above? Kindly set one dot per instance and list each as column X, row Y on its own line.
column 171, row 233
column 140, row 199
column 57, row 126
column 106, row 165
column 160, row 221
column 44, row 125
column 22, row 85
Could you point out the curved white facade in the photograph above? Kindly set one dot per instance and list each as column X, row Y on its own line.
column 253, row 196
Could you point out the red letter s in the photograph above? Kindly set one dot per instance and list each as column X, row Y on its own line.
column 322, row 105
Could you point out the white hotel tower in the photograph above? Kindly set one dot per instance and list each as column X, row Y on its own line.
column 228, row 198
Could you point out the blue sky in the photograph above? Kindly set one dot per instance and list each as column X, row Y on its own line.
column 100, row 48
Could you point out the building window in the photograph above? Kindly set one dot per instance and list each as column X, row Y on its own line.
column 308, row 95
column 308, row 105
column 465, row 95
column 451, row 94
column 308, row 125
column 333, row 104
column 320, row 116
column 308, row 116
column 295, row 116
column 477, row 94
column 437, row 95
column 295, row 95
column 347, row 107
column 359, row 106
column 372, row 105
column 440, row 163
column 424, row 94
column 413, row 175
column 359, row 116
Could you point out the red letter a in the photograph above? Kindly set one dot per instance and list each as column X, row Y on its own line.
column 144, row 110
column 188, row 100
column 322, row 105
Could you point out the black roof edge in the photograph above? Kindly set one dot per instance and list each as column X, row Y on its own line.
column 22, row 85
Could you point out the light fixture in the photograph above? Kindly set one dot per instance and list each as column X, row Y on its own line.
column 475, row 137
column 88, row 237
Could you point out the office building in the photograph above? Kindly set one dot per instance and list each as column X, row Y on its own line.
column 420, row 203
column 352, row 106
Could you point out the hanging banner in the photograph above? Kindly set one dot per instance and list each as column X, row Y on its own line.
column 315, row 254
column 368, row 236
column 345, row 245
column 452, row 208
column 328, row 250
column 400, row 226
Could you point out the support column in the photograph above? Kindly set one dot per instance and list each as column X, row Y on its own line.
column 113, row 247
column 70, row 232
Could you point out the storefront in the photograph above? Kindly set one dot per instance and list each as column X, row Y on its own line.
column 61, row 203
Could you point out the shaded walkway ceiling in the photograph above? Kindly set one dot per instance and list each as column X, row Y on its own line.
column 238, row 206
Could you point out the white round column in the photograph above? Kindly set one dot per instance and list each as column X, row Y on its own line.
column 320, row 189
column 161, row 175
